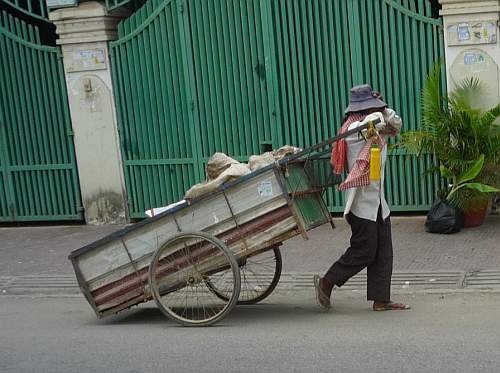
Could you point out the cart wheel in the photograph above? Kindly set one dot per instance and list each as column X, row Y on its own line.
column 259, row 276
column 178, row 277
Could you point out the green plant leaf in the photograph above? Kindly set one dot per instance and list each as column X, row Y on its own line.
column 473, row 171
column 483, row 188
column 468, row 94
column 445, row 172
column 495, row 112
column 457, row 130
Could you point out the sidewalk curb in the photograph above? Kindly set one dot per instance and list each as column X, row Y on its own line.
column 284, row 292
column 403, row 282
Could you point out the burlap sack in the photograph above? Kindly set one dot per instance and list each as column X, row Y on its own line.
column 256, row 162
column 217, row 164
column 234, row 171
column 285, row 151
column 222, row 168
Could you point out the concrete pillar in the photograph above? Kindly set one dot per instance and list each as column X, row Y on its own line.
column 472, row 44
column 84, row 33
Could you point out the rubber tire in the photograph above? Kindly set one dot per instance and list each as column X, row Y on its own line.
column 234, row 268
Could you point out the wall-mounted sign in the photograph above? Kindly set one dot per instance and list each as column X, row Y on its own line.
column 463, row 32
column 85, row 60
column 54, row 4
column 480, row 32
column 471, row 58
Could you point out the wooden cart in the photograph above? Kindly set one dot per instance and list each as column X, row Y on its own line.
column 199, row 259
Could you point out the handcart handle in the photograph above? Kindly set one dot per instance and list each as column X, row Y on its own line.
column 329, row 141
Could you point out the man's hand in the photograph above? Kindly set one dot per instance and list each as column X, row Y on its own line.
column 388, row 131
column 373, row 132
column 394, row 123
column 375, row 116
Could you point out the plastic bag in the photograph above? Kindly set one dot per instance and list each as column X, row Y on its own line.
column 158, row 210
column 443, row 218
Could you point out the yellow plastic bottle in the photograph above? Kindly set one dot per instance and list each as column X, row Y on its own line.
column 375, row 163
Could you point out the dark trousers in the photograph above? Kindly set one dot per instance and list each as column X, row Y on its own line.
column 371, row 247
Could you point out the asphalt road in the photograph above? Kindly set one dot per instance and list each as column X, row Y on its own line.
column 442, row 333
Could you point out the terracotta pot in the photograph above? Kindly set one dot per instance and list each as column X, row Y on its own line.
column 475, row 218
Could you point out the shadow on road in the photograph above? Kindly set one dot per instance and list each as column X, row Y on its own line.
column 242, row 315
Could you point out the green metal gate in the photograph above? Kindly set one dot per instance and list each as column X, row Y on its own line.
column 38, row 175
column 227, row 43
column 324, row 47
column 154, row 105
column 193, row 77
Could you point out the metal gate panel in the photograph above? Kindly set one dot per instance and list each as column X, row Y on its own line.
column 33, row 8
column 325, row 47
column 39, row 170
column 227, row 43
column 193, row 77
column 4, row 205
column 313, row 70
column 157, row 135
column 410, row 43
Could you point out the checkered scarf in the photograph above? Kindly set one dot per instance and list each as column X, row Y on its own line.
column 359, row 175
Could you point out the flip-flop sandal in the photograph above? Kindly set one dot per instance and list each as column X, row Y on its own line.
column 391, row 306
column 320, row 294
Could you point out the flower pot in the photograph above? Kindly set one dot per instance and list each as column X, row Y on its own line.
column 475, row 217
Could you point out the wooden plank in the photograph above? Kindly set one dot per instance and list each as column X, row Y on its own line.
column 236, row 245
column 124, row 292
column 98, row 264
column 121, row 307
column 210, row 214
column 116, row 269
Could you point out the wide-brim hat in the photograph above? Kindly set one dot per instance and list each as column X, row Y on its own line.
column 362, row 98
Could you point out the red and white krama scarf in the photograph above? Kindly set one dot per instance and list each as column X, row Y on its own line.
column 359, row 175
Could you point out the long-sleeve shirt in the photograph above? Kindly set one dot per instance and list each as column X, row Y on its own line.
column 364, row 202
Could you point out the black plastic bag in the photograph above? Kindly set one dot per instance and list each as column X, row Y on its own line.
column 443, row 218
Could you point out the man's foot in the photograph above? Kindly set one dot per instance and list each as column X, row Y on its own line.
column 390, row 306
column 323, row 292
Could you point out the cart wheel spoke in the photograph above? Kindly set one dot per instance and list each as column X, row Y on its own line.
column 259, row 276
column 178, row 279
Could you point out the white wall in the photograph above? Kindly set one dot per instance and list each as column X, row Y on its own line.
column 473, row 57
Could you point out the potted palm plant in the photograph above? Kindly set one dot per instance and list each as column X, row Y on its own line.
column 465, row 138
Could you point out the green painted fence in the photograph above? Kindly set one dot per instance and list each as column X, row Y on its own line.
column 229, row 88
column 36, row 9
column 155, row 113
column 325, row 47
column 193, row 77
column 115, row 4
column 38, row 176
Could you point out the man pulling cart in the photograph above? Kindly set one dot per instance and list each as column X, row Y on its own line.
column 201, row 257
